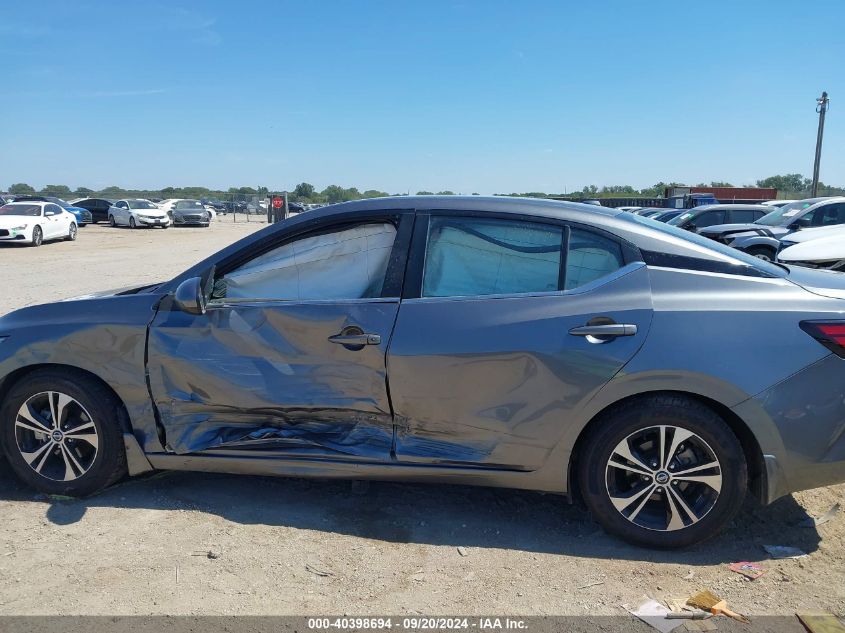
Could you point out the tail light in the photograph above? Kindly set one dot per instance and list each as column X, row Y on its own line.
column 831, row 334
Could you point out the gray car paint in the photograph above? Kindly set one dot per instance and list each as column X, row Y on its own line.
column 727, row 338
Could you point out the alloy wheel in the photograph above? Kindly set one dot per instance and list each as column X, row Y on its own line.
column 56, row 436
column 72, row 232
column 37, row 236
column 131, row 222
column 663, row 478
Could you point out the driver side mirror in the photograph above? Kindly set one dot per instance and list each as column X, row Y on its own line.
column 190, row 296
column 801, row 223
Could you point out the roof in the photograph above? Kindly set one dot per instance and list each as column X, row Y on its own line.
column 498, row 204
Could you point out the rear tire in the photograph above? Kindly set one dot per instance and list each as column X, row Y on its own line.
column 666, row 496
column 84, row 453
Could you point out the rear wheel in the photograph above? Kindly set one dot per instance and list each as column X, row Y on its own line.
column 664, row 471
column 60, row 433
column 37, row 236
column 762, row 252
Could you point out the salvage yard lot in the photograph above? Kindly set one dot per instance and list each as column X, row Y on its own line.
column 285, row 546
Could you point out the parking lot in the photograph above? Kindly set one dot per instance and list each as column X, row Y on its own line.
column 187, row 543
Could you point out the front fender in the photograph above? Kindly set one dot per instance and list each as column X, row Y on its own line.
column 105, row 337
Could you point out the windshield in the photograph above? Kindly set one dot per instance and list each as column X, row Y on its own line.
column 21, row 209
column 140, row 204
column 699, row 240
column 186, row 205
column 680, row 219
column 786, row 213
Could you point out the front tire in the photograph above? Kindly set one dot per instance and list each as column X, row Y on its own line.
column 112, row 223
column 762, row 252
column 664, row 471
column 132, row 224
column 71, row 233
column 37, row 236
column 60, row 433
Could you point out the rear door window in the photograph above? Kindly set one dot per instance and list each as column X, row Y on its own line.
column 480, row 256
column 744, row 216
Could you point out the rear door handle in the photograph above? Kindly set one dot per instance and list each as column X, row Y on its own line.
column 356, row 339
column 609, row 329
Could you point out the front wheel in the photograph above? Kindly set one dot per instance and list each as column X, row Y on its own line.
column 112, row 223
column 664, row 471
column 762, row 252
column 60, row 433
column 132, row 224
column 71, row 233
column 37, row 236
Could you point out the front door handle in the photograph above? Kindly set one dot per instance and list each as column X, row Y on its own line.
column 356, row 339
column 608, row 330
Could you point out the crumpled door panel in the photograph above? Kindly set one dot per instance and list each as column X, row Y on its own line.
column 266, row 375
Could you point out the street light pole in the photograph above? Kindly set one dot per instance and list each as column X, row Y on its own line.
column 821, row 108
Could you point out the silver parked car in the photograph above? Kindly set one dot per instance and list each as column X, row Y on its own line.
column 493, row 341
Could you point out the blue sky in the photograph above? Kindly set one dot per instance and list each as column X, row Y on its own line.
column 471, row 96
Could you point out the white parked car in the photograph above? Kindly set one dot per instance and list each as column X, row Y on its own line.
column 36, row 222
column 822, row 247
column 777, row 204
column 135, row 213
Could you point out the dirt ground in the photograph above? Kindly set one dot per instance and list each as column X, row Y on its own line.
column 286, row 546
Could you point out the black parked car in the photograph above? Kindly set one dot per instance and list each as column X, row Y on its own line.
column 99, row 208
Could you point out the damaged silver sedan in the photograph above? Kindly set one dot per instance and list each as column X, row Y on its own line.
column 504, row 342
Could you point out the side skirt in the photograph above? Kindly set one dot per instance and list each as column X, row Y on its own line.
column 327, row 469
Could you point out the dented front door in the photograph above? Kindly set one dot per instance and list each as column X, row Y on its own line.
column 300, row 378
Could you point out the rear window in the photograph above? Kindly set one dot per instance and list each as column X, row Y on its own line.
column 763, row 268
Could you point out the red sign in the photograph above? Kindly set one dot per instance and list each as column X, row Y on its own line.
column 277, row 203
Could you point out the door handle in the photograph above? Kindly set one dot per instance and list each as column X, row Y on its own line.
column 356, row 339
column 608, row 329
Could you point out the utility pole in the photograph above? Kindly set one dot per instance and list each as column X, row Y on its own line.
column 821, row 108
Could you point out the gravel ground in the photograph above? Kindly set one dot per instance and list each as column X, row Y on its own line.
column 286, row 546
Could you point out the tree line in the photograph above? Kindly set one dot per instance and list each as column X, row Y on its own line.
column 788, row 185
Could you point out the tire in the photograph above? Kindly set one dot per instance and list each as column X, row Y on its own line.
column 71, row 233
column 94, row 463
column 763, row 252
column 112, row 223
column 37, row 236
column 659, row 520
column 132, row 224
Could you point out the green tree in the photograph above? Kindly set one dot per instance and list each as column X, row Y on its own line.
column 304, row 190
column 56, row 190
column 374, row 193
column 425, row 193
column 333, row 193
column 20, row 189
column 786, row 182
column 113, row 192
column 445, row 193
column 83, row 192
